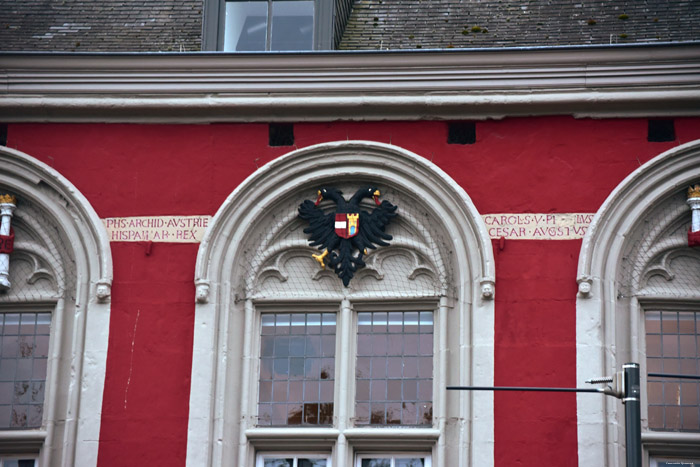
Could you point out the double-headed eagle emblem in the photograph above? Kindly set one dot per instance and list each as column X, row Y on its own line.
column 339, row 234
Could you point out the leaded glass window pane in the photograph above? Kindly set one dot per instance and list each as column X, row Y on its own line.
column 301, row 461
column 394, row 368
column 673, row 347
column 297, row 369
column 393, row 461
column 24, row 351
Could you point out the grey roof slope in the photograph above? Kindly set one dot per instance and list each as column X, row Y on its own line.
column 101, row 25
column 176, row 25
column 411, row 24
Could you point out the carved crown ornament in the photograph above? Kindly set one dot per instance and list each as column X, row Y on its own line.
column 345, row 234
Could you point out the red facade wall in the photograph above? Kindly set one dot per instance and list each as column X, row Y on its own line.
column 541, row 165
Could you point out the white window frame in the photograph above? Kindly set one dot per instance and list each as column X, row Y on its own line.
column 219, row 359
column 73, row 396
column 603, row 346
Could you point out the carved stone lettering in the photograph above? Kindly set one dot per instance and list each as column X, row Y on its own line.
column 168, row 229
column 559, row 226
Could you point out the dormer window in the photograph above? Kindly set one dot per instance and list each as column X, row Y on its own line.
column 269, row 25
column 273, row 25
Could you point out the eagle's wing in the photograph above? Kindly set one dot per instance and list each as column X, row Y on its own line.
column 321, row 226
column 372, row 226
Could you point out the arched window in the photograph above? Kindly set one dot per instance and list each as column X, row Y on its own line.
column 291, row 366
column 639, row 301
column 54, row 319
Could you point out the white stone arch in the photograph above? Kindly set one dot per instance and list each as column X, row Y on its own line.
column 79, row 304
column 608, row 324
column 210, row 421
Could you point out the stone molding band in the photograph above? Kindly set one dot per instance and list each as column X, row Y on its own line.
column 605, row 81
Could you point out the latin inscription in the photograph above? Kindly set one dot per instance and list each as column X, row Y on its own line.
column 569, row 226
column 170, row 229
column 190, row 229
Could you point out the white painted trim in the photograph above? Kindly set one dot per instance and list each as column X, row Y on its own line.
column 307, row 169
column 81, row 384
column 596, row 353
column 613, row 81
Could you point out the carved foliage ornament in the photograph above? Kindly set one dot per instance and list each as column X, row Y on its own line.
column 343, row 236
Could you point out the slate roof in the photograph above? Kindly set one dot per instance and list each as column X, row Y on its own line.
column 101, row 25
column 411, row 24
column 176, row 25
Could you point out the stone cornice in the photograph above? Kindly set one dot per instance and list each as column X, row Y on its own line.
column 581, row 81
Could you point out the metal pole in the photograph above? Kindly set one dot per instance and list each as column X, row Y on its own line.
column 521, row 389
column 623, row 385
column 633, row 424
column 673, row 375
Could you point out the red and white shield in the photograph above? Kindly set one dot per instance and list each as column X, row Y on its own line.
column 347, row 225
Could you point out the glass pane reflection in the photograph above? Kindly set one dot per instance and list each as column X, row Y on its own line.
column 24, row 350
column 246, row 26
column 673, row 347
column 296, row 382
column 394, row 369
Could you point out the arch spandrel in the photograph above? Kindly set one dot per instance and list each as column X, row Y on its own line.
column 41, row 267
column 658, row 179
column 303, row 171
column 279, row 262
column 40, row 185
column 656, row 260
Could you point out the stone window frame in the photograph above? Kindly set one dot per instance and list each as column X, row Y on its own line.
column 78, row 344
column 215, row 401
column 214, row 25
column 602, row 347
